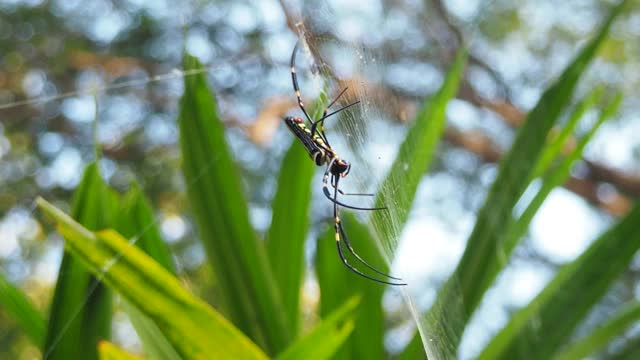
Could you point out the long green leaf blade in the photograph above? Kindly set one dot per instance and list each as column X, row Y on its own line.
column 155, row 344
column 195, row 329
column 414, row 350
column 136, row 221
column 80, row 314
column 240, row 261
column 537, row 331
column 413, row 161
column 462, row 293
column 631, row 351
column 17, row 304
column 325, row 339
column 554, row 149
column 415, row 154
column 593, row 342
column 288, row 231
column 517, row 228
column 338, row 285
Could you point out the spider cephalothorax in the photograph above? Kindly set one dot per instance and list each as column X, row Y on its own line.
column 340, row 167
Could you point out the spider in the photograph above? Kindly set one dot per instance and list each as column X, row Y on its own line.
column 317, row 145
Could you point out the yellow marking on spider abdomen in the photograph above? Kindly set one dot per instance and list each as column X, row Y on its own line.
column 303, row 127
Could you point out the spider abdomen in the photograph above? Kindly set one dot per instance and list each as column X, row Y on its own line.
column 315, row 145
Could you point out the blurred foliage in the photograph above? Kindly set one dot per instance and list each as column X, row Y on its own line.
column 56, row 48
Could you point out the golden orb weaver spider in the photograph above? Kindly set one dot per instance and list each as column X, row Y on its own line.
column 316, row 143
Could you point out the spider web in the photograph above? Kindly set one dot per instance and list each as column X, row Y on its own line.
column 369, row 136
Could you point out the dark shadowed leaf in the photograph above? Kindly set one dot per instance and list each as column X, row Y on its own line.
column 338, row 285
column 80, row 314
column 288, row 231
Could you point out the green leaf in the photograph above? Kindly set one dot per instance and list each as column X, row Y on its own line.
column 554, row 148
column 415, row 154
column 338, row 284
column 155, row 344
column 539, row 329
column 136, row 219
column 325, row 339
column 195, row 330
column 288, row 231
column 17, row 304
column 414, row 350
column 80, row 314
column 250, row 295
column 630, row 352
column 109, row 351
column 562, row 172
column 517, row 228
column 629, row 315
column 475, row 272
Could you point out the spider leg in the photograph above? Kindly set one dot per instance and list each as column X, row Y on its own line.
column 324, row 114
column 294, row 79
column 296, row 88
column 349, row 194
column 353, row 252
column 344, row 261
column 354, row 194
column 334, row 101
column 339, row 231
column 314, row 124
column 327, row 193
column 337, row 111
